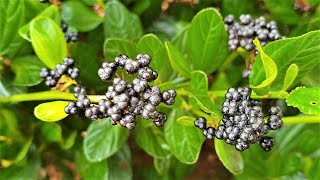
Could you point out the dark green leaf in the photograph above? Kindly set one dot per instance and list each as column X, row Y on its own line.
column 114, row 46
column 120, row 164
column 185, row 142
column 239, row 7
column 103, row 140
column 121, row 23
column 205, row 41
column 7, row 88
column 48, row 41
column 51, row 132
column 80, row 16
column 24, row 150
column 51, row 111
column 283, row 11
column 162, row 165
column 291, row 75
column 229, row 156
column 187, row 121
column 89, row 170
column 27, row 71
column 151, row 44
column 151, row 140
column 302, row 51
column 307, row 100
column 68, row 142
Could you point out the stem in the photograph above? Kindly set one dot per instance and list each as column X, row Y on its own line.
column 301, row 119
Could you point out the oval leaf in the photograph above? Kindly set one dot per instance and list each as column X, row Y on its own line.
column 229, row 156
column 51, row 111
column 291, row 75
column 178, row 62
column 103, row 140
column 114, row 46
column 307, row 100
column 187, row 121
column 185, row 142
column 48, row 41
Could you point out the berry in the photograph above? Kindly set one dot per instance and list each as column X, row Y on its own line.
column 266, row 143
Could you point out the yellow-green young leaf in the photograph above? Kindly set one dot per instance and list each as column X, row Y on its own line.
column 291, row 74
column 187, row 121
column 307, row 100
column 229, row 156
column 270, row 69
column 51, row 111
column 48, row 41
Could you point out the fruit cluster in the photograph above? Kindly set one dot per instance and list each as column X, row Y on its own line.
column 243, row 123
column 70, row 36
column 124, row 101
column 52, row 76
column 242, row 33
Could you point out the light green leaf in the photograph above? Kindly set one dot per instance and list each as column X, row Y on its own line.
column 115, row 46
column 229, row 156
column 121, row 23
column 103, row 140
column 24, row 150
column 162, row 165
column 51, row 111
column 151, row 140
column 51, row 132
column 204, row 43
column 185, row 142
column 187, row 121
column 270, row 69
column 71, row 11
column 68, row 142
column 307, row 100
column 291, row 75
column 48, row 41
column 151, row 44
column 177, row 60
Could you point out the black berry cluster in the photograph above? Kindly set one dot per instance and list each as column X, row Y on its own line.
column 52, row 76
column 44, row 1
column 243, row 123
column 242, row 33
column 124, row 101
column 70, row 36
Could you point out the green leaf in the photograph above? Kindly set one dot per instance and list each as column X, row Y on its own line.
column 71, row 12
column 121, row 23
column 283, row 11
column 239, row 7
column 229, row 156
column 162, row 165
column 185, row 142
column 8, row 89
column 199, row 88
column 48, row 41
column 51, row 111
column 69, row 141
column 151, row 44
column 89, row 170
column 151, row 140
column 307, row 100
column 29, row 65
column 103, row 140
column 24, row 150
column 51, row 132
column 205, row 41
column 120, row 164
column 291, row 75
column 115, row 46
column 12, row 16
column 302, row 51
column 270, row 69
column 187, row 121
column 177, row 60
column 50, row 12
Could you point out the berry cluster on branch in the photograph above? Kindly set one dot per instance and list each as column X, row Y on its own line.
column 70, row 36
column 243, row 123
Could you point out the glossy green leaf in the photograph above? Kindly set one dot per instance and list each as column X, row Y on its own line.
column 71, row 12
column 307, row 100
column 115, row 46
column 103, row 140
column 121, row 23
column 11, row 18
column 229, row 156
column 205, row 41
column 270, row 69
column 29, row 65
column 50, row 12
column 120, row 164
column 187, row 121
column 48, row 41
column 51, row 132
column 302, row 51
column 151, row 140
column 184, row 142
column 91, row 170
column 291, row 75
column 151, row 44
column 283, row 11
column 51, row 111
column 178, row 62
